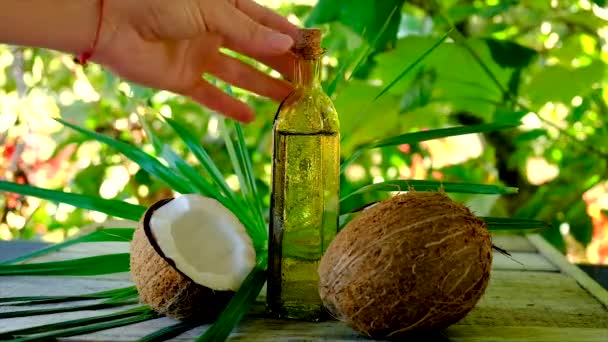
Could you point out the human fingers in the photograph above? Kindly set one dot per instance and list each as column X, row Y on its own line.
column 243, row 75
column 283, row 64
column 234, row 25
column 266, row 17
column 215, row 99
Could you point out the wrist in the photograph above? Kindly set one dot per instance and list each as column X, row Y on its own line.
column 63, row 25
column 86, row 54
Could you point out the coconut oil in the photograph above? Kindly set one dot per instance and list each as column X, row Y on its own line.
column 305, row 188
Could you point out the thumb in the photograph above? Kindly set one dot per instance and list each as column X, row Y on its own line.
column 242, row 31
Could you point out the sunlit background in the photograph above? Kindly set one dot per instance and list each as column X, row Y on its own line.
column 558, row 51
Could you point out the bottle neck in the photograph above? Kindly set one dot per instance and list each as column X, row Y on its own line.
column 307, row 72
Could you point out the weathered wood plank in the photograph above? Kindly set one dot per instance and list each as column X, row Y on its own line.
column 522, row 261
column 513, row 243
column 514, row 300
column 83, row 250
column 340, row 333
column 257, row 329
column 11, row 324
column 576, row 273
column 531, row 302
column 13, row 249
column 56, row 285
column 251, row 329
column 459, row 333
column 518, row 261
column 291, row 331
column 537, row 299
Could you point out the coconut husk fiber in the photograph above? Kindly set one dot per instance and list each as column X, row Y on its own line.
column 163, row 287
column 417, row 262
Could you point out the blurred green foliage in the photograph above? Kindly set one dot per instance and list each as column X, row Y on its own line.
column 542, row 62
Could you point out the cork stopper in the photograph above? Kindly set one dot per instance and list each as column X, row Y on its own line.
column 308, row 43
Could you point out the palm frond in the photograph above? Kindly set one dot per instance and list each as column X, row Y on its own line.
column 34, row 312
column 203, row 157
column 417, row 137
column 91, row 328
column 506, row 223
column 110, row 207
column 357, row 199
column 238, row 306
column 144, row 160
column 34, row 300
column 412, row 65
column 252, row 190
column 360, row 55
column 46, row 328
column 251, row 286
column 169, row 332
column 102, row 235
column 95, row 265
column 202, row 186
column 156, row 142
column 244, row 171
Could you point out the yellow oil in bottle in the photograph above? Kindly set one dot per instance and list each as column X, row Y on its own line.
column 305, row 193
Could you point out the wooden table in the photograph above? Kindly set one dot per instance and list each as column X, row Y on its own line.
column 541, row 298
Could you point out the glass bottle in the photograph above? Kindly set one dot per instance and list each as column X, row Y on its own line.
column 304, row 206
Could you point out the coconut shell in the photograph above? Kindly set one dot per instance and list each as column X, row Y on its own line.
column 416, row 262
column 163, row 287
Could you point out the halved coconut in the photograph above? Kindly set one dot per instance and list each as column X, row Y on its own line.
column 189, row 255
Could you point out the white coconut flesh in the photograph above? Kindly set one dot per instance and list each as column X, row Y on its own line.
column 205, row 240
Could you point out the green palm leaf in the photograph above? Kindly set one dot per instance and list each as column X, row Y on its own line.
column 202, row 186
column 247, row 167
column 203, row 157
column 411, row 66
column 238, row 306
column 153, row 138
column 169, row 332
column 357, row 199
column 404, row 72
column 244, row 171
column 251, row 286
column 144, row 160
column 416, row 137
column 103, row 235
column 505, row 223
column 122, row 297
column 34, row 312
column 33, row 300
column 361, row 55
column 91, row 328
column 110, row 207
column 74, row 323
column 95, row 265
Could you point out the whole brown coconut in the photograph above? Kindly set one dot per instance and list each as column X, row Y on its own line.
column 162, row 286
column 416, row 262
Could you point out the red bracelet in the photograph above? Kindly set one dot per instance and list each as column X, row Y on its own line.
column 84, row 57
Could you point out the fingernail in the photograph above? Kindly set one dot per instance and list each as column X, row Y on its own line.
column 247, row 116
column 279, row 42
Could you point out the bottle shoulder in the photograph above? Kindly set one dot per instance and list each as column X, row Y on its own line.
column 307, row 110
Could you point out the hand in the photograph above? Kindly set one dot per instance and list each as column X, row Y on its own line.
column 170, row 45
